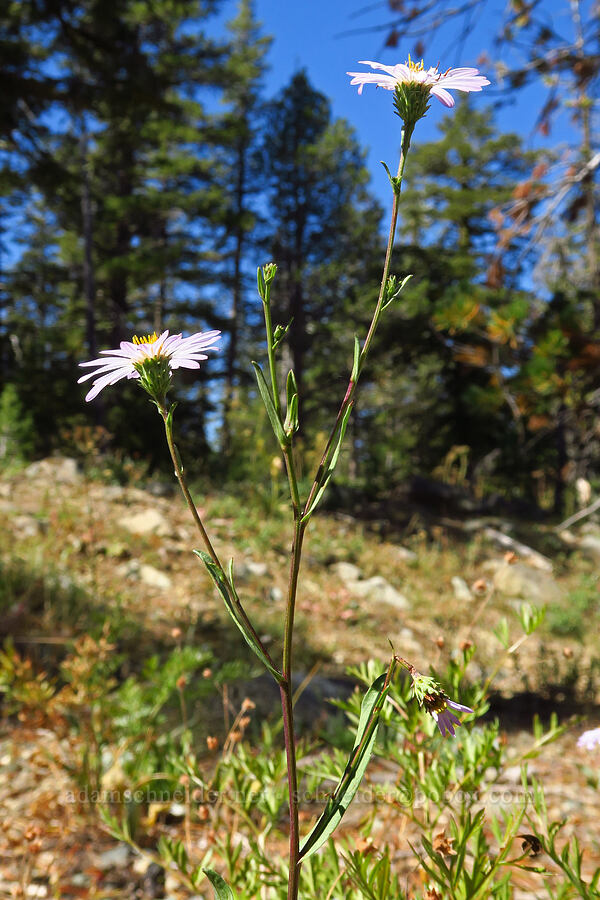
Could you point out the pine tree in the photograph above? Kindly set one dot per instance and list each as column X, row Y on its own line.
column 324, row 238
column 242, row 181
column 125, row 172
column 460, row 329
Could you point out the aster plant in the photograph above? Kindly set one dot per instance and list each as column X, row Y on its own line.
column 152, row 360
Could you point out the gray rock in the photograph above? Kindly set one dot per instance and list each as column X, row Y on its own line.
column 146, row 521
column 507, row 543
column 246, row 568
column 378, row 590
column 147, row 574
column 113, row 492
column 276, row 595
column 520, row 580
column 589, row 544
column 256, row 568
column 154, row 577
column 115, row 858
column 130, row 569
column 60, row 469
column 461, row 590
column 347, row 572
column 405, row 554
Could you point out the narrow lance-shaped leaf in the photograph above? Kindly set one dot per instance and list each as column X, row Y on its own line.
column 279, row 333
column 356, row 361
column 339, row 802
column 393, row 289
column 326, row 477
column 290, row 426
column 267, row 399
column 222, row 889
column 235, row 610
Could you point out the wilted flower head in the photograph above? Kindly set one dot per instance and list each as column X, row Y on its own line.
column 149, row 359
column 440, row 708
column 429, row 694
column 589, row 740
column 413, row 84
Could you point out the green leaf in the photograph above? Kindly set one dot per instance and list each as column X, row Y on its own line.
column 290, row 426
column 280, row 333
column 267, row 399
column 222, row 889
column 393, row 289
column 291, row 423
column 236, row 610
column 356, row 363
column 339, row 802
column 330, row 468
column 260, row 279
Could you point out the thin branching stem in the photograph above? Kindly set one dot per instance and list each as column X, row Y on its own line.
column 352, row 383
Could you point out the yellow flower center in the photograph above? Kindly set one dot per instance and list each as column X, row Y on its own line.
column 147, row 339
column 415, row 67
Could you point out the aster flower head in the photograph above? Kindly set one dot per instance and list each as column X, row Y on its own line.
column 430, row 694
column 589, row 740
column 413, row 84
column 440, row 709
column 151, row 360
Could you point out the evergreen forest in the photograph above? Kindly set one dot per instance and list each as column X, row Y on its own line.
column 145, row 174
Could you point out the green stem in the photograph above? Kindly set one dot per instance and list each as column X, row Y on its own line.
column 184, row 488
column 299, row 531
column 287, row 451
column 179, row 473
column 285, row 687
column 349, row 396
column 288, row 709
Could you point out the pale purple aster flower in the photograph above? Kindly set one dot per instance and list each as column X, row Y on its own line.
column 446, row 720
column 440, row 709
column 126, row 362
column 589, row 740
column 439, row 83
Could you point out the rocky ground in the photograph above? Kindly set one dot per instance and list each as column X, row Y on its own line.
column 76, row 550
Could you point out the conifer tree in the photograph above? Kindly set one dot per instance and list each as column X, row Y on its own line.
column 324, row 237
column 242, row 180
column 460, row 330
column 125, row 172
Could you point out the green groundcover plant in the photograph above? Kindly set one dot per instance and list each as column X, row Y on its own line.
column 441, row 786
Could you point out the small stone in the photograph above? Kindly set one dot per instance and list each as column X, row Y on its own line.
column 461, row 590
column 246, row 568
column 154, row 577
column 521, row 580
column 276, row 595
column 378, row 590
column 347, row 572
column 589, row 544
column 59, row 469
column 113, row 492
column 504, row 541
column 147, row 521
column 258, row 569
column 130, row 569
column 405, row 554
column 115, row 858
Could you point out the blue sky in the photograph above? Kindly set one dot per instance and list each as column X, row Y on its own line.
column 328, row 37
